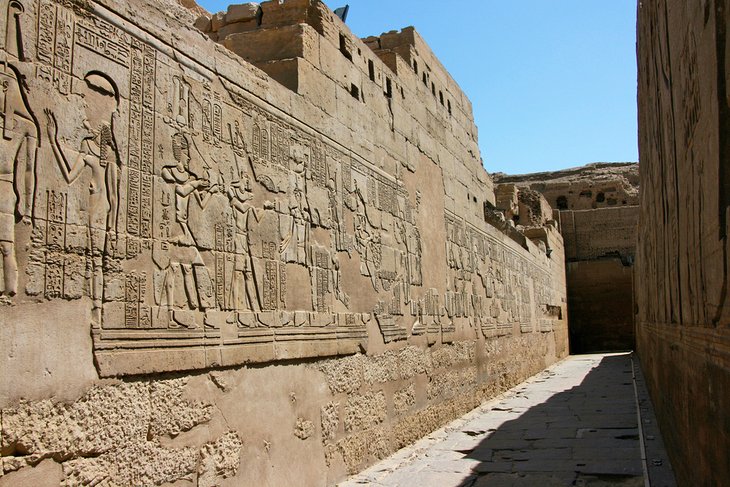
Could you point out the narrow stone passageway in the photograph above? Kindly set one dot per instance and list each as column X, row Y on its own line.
column 585, row 421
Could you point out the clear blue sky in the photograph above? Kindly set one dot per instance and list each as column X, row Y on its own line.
column 552, row 82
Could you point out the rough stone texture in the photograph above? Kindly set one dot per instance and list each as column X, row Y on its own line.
column 113, row 434
column 144, row 463
column 343, row 375
column 219, row 460
column 683, row 320
column 304, row 429
column 381, row 368
column 459, row 353
column 596, row 209
column 404, row 399
column 197, row 259
column 365, row 411
column 451, row 383
column 330, row 420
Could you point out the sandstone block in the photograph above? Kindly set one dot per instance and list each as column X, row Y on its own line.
column 203, row 23
column 275, row 44
column 235, row 28
column 243, row 12
column 217, row 21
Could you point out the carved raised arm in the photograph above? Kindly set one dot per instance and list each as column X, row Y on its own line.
column 70, row 172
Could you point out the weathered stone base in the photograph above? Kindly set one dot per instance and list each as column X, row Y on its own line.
column 307, row 423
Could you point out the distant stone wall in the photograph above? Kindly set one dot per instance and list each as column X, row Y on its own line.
column 596, row 185
column 595, row 234
column 683, row 329
column 596, row 210
column 213, row 274
column 600, row 305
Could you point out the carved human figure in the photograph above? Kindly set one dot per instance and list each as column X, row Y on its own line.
column 18, row 146
column 243, row 291
column 184, row 257
column 98, row 152
column 295, row 244
column 367, row 239
column 186, row 183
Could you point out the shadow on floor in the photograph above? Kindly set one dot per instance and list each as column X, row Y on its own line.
column 585, row 436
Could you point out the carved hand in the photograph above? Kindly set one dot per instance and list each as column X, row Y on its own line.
column 51, row 127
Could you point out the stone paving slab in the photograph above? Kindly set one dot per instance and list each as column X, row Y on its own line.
column 574, row 424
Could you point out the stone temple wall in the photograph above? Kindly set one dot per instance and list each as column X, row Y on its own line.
column 596, row 209
column 683, row 321
column 212, row 275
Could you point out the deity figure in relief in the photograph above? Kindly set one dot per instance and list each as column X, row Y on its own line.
column 97, row 152
column 18, row 148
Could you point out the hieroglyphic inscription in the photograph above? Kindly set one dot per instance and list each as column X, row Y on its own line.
column 224, row 264
column 103, row 38
column 56, row 216
column 387, row 196
column 136, row 313
column 280, row 146
column 271, row 298
column 318, row 165
column 46, row 37
column 321, row 278
column 140, row 188
column 55, row 45
column 220, row 266
column 63, row 49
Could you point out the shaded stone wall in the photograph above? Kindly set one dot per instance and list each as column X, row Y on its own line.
column 601, row 233
column 224, row 274
column 683, row 328
column 596, row 209
column 600, row 305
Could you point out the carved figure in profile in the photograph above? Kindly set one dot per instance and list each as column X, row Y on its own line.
column 367, row 239
column 184, row 257
column 18, row 148
column 187, row 183
column 98, row 152
column 295, row 244
column 243, row 291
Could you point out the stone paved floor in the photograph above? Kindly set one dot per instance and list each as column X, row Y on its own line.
column 575, row 424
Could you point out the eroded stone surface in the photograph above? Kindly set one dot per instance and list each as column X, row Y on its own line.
column 364, row 411
column 112, row 434
column 219, row 460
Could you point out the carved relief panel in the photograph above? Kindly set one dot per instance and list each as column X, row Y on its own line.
column 186, row 213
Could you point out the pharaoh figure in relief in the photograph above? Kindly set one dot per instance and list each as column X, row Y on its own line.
column 243, row 292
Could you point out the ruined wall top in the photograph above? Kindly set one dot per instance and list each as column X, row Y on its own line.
column 597, row 185
column 596, row 206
